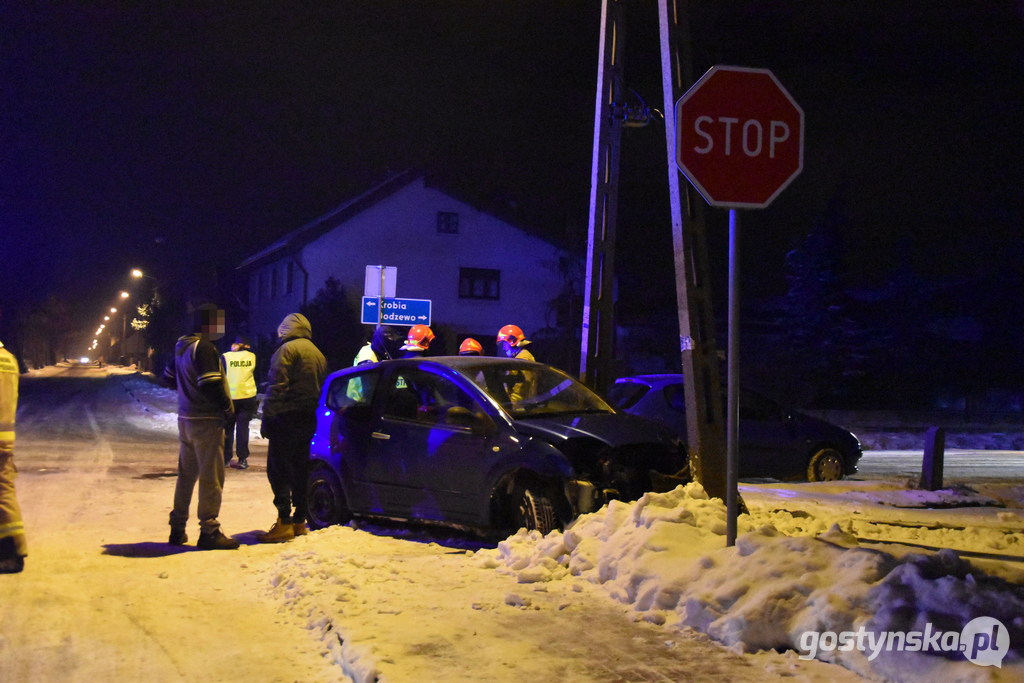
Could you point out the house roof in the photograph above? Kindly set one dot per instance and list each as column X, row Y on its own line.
column 320, row 226
column 315, row 229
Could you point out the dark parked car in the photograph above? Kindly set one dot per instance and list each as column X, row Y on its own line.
column 773, row 441
column 483, row 443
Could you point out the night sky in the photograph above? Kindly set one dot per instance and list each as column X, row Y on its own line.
column 183, row 137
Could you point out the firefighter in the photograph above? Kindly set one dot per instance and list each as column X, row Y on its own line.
column 512, row 343
column 470, row 347
column 12, row 529
column 418, row 341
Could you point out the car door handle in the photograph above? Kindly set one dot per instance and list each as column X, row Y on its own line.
column 381, row 435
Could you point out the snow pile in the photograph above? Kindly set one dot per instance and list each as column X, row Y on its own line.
column 664, row 556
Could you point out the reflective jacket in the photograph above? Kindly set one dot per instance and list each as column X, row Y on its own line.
column 8, row 399
column 365, row 355
column 239, row 366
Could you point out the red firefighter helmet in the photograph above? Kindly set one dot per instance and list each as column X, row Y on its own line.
column 470, row 347
column 419, row 338
column 513, row 335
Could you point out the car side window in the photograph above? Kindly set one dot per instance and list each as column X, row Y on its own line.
column 427, row 398
column 675, row 397
column 626, row 394
column 351, row 395
column 760, row 408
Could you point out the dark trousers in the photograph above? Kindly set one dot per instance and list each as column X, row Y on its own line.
column 288, row 461
column 237, row 430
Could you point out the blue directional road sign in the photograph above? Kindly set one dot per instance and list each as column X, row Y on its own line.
column 397, row 311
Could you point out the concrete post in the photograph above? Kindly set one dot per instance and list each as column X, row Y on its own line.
column 934, row 452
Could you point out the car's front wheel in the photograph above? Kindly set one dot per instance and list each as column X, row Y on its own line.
column 326, row 499
column 532, row 509
column 825, row 465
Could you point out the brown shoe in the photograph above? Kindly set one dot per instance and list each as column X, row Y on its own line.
column 279, row 533
column 300, row 528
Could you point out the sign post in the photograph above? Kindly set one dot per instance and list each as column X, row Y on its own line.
column 380, row 282
column 393, row 311
column 740, row 142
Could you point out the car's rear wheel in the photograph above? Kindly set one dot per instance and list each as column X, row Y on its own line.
column 532, row 509
column 326, row 499
column 825, row 465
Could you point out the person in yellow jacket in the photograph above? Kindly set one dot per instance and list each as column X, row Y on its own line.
column 239, row 366
column 512, row 344
column 12, row 530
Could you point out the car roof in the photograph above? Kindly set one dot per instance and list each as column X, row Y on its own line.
column 454, row 362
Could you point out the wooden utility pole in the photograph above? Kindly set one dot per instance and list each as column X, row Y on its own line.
column 597, row 352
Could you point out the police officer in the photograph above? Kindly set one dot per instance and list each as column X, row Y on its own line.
column 383, row 346
column 239, row 365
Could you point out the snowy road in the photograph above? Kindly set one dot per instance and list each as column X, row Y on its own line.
column 959, row 465
column 103, row 597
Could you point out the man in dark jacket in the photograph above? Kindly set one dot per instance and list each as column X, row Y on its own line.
column 297, row 372
column 203, row 405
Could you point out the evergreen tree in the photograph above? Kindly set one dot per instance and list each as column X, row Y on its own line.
column 336, row 328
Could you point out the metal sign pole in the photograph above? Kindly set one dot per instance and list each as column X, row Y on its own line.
column 733, row 418
column 380, row 297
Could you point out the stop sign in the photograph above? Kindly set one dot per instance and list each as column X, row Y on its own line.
column 739, row 137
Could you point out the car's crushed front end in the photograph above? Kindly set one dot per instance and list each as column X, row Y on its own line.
column 615, row 456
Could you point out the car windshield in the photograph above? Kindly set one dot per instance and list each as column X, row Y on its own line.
column 534, row 390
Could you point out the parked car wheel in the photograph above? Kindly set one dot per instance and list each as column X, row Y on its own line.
column 327, row 503
column 532, row 509
column 825, row 465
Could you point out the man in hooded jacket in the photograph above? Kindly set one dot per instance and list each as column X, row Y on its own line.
column 297, row 372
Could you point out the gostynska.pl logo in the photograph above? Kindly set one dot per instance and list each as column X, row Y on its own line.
column 983, row 641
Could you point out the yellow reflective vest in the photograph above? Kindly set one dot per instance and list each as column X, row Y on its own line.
column 239, row 367
column 9, row 375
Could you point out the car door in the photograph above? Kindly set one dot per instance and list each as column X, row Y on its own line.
column 767, row 439
column 348, row 410
column 429, row 446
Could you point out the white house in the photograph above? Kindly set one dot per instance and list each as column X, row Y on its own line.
column 479, row 272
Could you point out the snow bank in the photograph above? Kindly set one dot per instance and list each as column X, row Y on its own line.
column 664, row 556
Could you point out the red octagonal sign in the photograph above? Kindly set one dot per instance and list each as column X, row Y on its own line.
column 739, row 137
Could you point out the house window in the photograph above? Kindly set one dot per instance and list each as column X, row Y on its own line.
column 291, row 278
column 261, row 288
column 273, row 282
column 479, row 283
column 448, row 223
